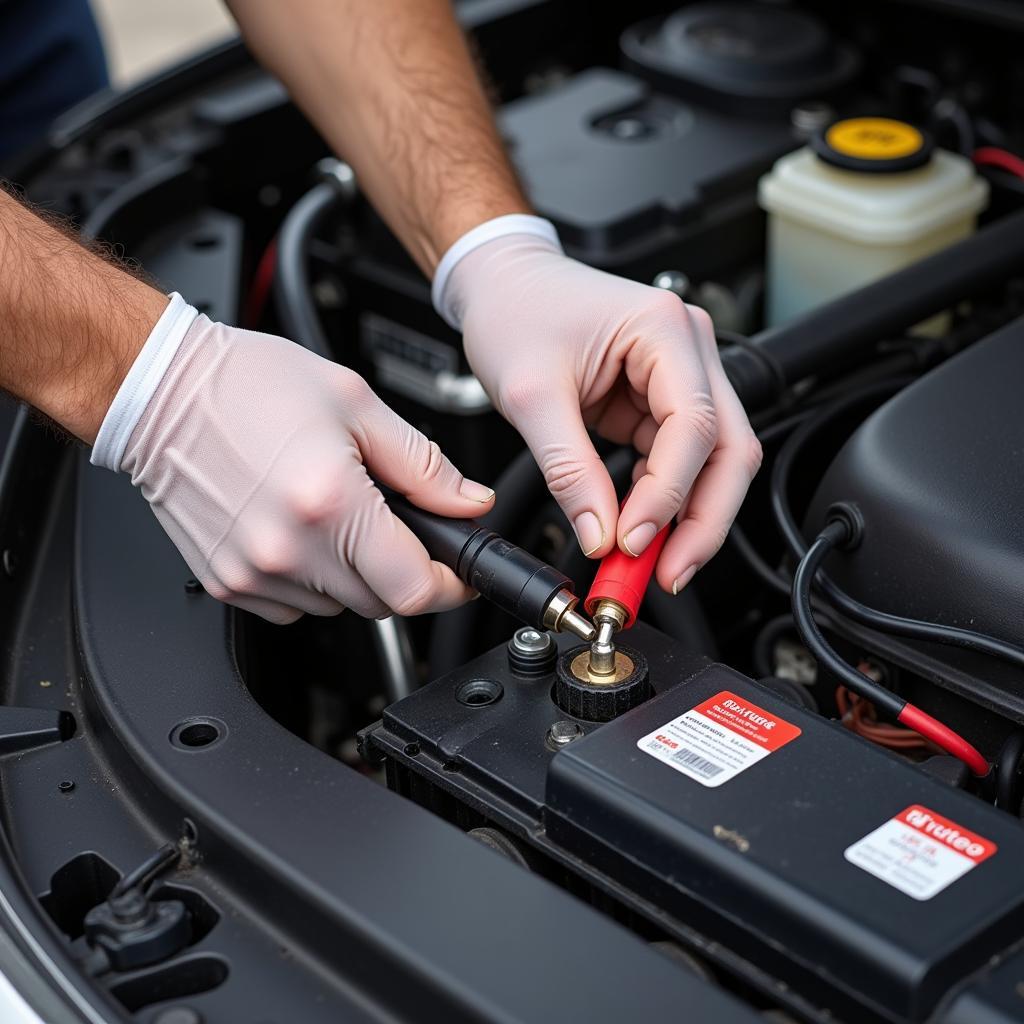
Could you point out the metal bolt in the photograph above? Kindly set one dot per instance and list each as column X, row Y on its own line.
column 193, row 586
column 66, row 785
column 674, row 281
column 531, row 652
column 531, row 641
column 563, row 732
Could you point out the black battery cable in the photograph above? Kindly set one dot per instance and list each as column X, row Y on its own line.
column 836, row 534
column 1009, row 788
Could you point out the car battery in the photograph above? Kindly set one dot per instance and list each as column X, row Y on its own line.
column 851, row 882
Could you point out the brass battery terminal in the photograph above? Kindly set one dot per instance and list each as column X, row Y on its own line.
column 602, row 663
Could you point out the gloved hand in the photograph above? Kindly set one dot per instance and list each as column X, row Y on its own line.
column 254, row 454
column 560, row 346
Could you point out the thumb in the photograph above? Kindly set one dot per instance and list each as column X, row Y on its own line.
column 552, row 425
column 401, row 457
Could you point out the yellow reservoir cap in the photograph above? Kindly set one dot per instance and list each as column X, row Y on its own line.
column 876, row 145
column 874, row 138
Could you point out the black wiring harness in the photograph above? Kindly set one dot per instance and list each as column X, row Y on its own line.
column 884, row 622
column 843, row 530
column 836, row 534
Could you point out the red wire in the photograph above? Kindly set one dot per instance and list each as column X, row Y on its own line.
column 993, row 156
column 942, row 736
column 261, row 282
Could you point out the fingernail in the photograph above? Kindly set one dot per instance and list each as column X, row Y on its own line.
column 636, row 541
column 476, row 492
column 476, row 595
column 589, row 532
column 683, row 579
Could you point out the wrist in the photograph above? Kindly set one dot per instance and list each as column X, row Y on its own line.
column 447, row 299
column 456, row 219
column 140, row 382
column 76, row 390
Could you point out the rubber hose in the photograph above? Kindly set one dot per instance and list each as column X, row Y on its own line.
column 292, row 292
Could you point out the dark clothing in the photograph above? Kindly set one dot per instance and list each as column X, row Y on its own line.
column 51, row 57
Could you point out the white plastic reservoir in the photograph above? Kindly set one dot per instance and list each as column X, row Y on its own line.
column 869, row 196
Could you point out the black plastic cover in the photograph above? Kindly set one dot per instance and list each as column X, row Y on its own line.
column 938, row 475
column 613, row 163
column 995, row 997
column 741, row 55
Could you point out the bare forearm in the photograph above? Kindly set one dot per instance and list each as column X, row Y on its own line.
column 70, row 322
column 391, row 86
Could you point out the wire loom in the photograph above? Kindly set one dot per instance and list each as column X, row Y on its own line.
column 836, row 533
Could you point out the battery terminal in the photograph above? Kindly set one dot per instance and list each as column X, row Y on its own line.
column 609, row 617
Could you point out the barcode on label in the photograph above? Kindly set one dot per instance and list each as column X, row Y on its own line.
column 699, row 764
column 715, row 741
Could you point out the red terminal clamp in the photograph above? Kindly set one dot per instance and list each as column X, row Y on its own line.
column 623, row 579
column 615, row 598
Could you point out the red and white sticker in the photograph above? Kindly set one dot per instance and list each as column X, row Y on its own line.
column 715, row 741
column 920, row 852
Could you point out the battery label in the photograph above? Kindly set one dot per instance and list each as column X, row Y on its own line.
column 919, row 852
column 715, row 741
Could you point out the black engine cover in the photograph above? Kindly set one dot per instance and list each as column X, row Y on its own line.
column 631, row 176
column 938, row 474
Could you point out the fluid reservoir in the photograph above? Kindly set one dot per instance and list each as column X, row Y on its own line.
column 867, row 196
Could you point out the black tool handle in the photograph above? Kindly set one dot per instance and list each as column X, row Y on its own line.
column 445, row 539
column 503, row 573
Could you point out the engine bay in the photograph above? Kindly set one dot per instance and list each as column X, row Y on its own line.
column 434, row 817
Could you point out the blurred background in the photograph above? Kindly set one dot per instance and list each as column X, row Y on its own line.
column 142, row 37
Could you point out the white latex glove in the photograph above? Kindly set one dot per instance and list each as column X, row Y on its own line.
column 560, row 346
column 254, row 455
